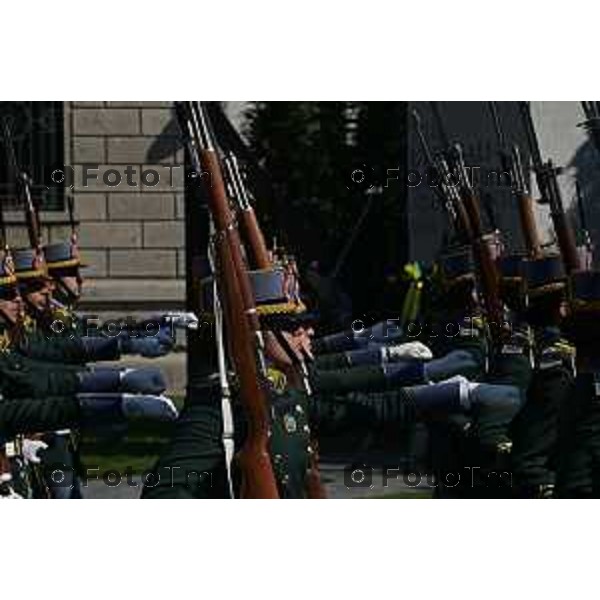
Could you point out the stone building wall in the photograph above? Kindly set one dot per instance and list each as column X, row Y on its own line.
column 131, row 235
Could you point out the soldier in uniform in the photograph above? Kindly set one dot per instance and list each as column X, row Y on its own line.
column 539, row 292
column 38, row 395
column 468, row 450
column 197, row 464
column 296, row 395
column 45, row 341
column 578, row 457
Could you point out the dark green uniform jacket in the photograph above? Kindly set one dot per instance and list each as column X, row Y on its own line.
column 578, row 468
column 33, row 415
column 194, row 464
column 69, row 348
column 534, row 431
column 22, row 377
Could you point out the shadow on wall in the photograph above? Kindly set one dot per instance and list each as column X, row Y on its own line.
column 166, row 144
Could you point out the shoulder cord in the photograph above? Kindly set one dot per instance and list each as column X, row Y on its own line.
column 227, row 414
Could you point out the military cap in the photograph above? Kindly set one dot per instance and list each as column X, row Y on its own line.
column 582, row 324
column 7, row 271
column 62, row 256
column 584, row 290
column 512, row 267
column 275, row 296
column 545, row 275
column 457, row 265
column 513, row 282
column 29, row 265
column 8, row 279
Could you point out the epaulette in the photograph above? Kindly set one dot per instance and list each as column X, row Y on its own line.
column 557, row 354
column 277, row 379
column 65, row 316
column 5, row 342
column 519, row 342
column 29, row 324
column 478, row 322
column 472, row 327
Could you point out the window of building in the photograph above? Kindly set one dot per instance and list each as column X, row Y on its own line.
column 38, row 136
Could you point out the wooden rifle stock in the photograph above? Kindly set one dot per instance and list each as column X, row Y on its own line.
column 258, row 480
column 566, row 242
column 260, row 259
column 488, row 270
column 528, row 225
column 546, row 175
column 565, row 236
column 259, row 255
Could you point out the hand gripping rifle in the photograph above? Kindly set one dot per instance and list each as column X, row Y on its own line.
column 244, row 337
column 23, row 183
column 547, row 180
column 511, row 163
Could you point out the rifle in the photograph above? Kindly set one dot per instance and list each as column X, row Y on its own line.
column 23, row 182
column 260, row 259
column 583, row 223
column 547, row 180
column 488, row 270
column 258, row 480
column 512, row 164
column 259, row 255
column 468, row 211
column 445, row 192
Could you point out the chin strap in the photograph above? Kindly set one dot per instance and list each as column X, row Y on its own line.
column 69, row 297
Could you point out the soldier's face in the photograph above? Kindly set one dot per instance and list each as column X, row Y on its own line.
column 11, row 309
column 308, row 333
column 40, row 299
column 301, row 341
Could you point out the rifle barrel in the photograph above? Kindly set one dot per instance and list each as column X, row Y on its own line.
column 244, row 336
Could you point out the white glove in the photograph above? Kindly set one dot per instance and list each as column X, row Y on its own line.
column 416, row 350
column 11, row 495
column 31, row 449
column 182, row 320
column 6, row 490
column 460, row 378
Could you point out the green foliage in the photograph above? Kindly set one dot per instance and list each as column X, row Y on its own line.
column 309, row 150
